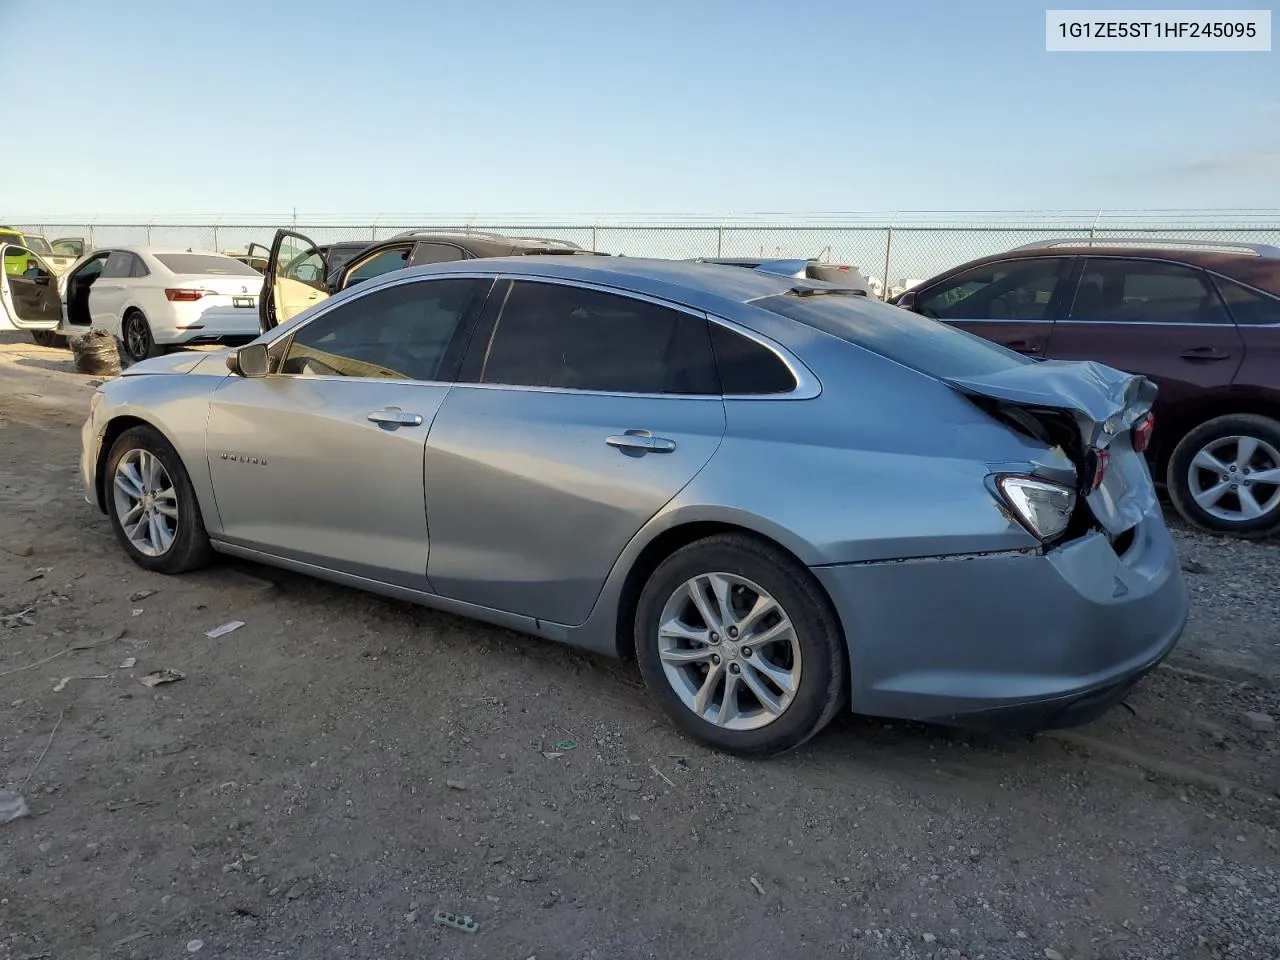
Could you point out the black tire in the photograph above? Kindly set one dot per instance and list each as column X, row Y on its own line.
column 136, row 339
column 1178, row 481
column 190, row 547
column 824, row 676
column 48, row 338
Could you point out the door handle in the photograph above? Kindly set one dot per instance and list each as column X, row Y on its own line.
column 1023, row 346
column 640, row 441
column 1204, row 353
column 393, row 417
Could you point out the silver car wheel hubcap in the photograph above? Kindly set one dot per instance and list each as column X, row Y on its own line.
column 729, row 651
column 146, row 502
column 1236, row 479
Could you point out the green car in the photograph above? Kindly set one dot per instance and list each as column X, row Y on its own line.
column 60, row 255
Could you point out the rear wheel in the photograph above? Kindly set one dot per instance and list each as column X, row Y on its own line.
column 1224, row 476
column 740, row 646
column 135, row 334
column 152, row 504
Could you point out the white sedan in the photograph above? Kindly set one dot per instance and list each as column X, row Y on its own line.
column 150, row 298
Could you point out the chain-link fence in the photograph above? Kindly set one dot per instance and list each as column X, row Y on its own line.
column 893, row 250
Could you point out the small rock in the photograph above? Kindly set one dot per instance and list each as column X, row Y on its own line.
column 22, row 550
column 140, row 595
column 1052, row 954
column 1179, row 888
column 929, row 937
column 1262, row 722
column 1194, row 566
column 1021, row 934
column 45, row 847
column 633, row 818
column 455, row 785
column 193, row 946
column 411, row 916
column 294, row 892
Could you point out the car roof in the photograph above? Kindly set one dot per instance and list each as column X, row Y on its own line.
column 702, row 285
column 165, row 251
column 1248, row 268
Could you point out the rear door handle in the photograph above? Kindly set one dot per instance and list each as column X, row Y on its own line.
column 1204, row 353
column 641, row 441
column 393, row 417
column 1023, row 346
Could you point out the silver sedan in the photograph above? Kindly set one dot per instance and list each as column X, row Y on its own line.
column 780, row 498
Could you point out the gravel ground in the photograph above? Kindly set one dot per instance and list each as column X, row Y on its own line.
column 328, row 776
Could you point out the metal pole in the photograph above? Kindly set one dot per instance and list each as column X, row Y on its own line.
column 1094, row 229
column 888, row 250
column 215, row 236
column 594, row 244
column 720, row 241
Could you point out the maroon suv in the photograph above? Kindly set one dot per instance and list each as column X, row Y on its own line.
column 1203, row 324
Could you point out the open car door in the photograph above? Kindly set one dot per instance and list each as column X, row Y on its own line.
column 28, row 291
column 294, row 280
column 72, row 247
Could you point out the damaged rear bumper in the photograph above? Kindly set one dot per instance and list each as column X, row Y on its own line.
column 1013, row 641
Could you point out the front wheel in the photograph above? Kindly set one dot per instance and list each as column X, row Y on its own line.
column 152, row 505
column 1224, row 476
column 740, row 646
column 135, row 334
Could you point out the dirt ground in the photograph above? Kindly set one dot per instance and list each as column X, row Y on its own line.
column 331, row 774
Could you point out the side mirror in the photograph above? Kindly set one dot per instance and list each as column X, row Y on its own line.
column 907, row 301
column 249, row 361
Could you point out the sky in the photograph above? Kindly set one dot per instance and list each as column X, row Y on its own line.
column 696, row 107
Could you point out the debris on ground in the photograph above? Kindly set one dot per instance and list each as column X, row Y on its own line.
column 566, row 745
column 18, row 619
column 654, row 768
column 1262, row 722
column 61, row 685
column 1194, row 566
column 758, row 885
column 21, row 550
column 231, row 626
column 40, row 572
column 157, row 677
column 465, row 924
column 128, row 663
column 12, row 806
column 96, row 354
column 1052, row 954
column 140, row 595
column 129, row 939
column 455, row 785
column 193, row 946
column 552, row 754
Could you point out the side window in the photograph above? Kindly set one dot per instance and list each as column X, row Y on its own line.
column 68, row 248
column 384, row 261
column 1248, row 306
column 136, row 267
column 1115, row 290
column 437, row 253
column 1006, row 290
column 400, row 333
column 556, row 335
column 119, row 264
column 747, row 367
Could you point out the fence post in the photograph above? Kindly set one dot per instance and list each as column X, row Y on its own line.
column 720, row 241
column 594, row 243
column 215, row 236
column 1094, row 229
column 888, row 250
column 148, row 234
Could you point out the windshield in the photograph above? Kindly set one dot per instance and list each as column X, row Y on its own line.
column 205, row 264
column 39, row 245
column 914, row 341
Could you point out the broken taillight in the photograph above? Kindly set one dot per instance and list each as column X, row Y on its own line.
column 1101, row 459
column 1142, row 433
column 180, row 295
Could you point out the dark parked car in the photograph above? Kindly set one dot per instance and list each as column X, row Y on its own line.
column 301, row 272
column 1201, row 320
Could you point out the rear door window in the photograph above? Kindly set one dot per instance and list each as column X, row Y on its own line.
column 119, row 264
column 1115, row 290
column 384, row 261
column 1003, row 290
column 577, row 338
column 748, row 368
column 1248, row 307
column 437, row 253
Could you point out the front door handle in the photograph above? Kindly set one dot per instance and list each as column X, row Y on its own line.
column 393, row 417
column 1204, row 353
column 640, row 441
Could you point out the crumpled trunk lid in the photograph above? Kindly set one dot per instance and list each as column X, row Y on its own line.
column 1103, row 404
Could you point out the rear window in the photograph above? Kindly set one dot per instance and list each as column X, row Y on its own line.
column 205, row 264
column 39, row 244
column 926, row 345
column 7, row 236
column 1248, row 306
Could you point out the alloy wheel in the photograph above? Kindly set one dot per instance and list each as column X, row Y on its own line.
column 1236, row 478
column 137, row 337
column 146, row 502
column 729, row 651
